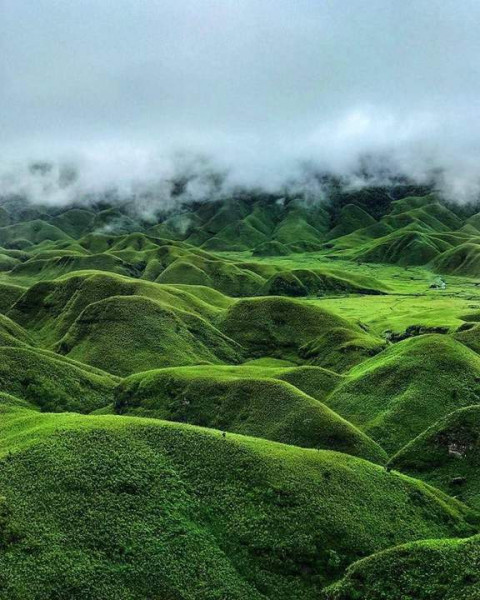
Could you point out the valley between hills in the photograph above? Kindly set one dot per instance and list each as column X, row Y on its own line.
column 261, row 398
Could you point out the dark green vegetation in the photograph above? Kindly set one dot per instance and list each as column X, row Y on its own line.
column 252, row 401
column 399, row 393
column 260, row 398
column 447, row 455
column 428, row 570
column 114, row 507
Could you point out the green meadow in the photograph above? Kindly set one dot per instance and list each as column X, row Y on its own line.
column 247, row 399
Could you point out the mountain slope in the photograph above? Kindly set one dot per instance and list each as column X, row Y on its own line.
column 107, row 507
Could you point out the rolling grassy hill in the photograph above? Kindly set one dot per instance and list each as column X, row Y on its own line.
column 249, row 400
column 447, row 455
column 261, row 397
column 126, row 508
column 428, row 570
column 396, row 395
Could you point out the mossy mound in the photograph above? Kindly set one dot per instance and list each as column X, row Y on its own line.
column 75, row 222
column 427, row 570
column 135, row 241
column 271, row 248
column 145, row 335
column 243, row 401
column 12, row 334
column 447, row 455
column 359, row 237
column 49, row 308
column 51, row 268
column 351, row 218
column 9, row 294
column 177, row 227
column 295, row 229
column 237, row 236
column 411, row 203
column 320, row 282
column 404, row 248
column 396, row 395
column 114, row 221
column 340, row 348
column 53, row 383
column 431, row 216
column 278, row 327
column 33, row 232
column 469, row 334
column 98, row 242
column 117, row 507
column 302, row 223
column 222, row 275
column 462, row 260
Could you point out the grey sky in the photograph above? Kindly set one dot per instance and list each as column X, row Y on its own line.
column 259, row 84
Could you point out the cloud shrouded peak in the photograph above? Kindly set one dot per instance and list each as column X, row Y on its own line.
column 123, row 88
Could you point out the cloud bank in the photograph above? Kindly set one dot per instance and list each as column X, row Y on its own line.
column 130, row 94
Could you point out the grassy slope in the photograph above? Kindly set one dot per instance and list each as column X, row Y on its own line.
column 52, row 382
column 244, row 400
column 144, row 334
column 447, row 455
column 116, row 507
column 292, row 330
column 397, row 394
column 48, row 309
column 427, row 570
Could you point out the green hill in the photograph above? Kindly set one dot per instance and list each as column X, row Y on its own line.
column 145, row 334
column 242, row 400
column 427, row 570
column 290, row 329
column 352, row 217
column 397, row 394
column 32, row 232
column 130, row 508
column 447, row 455
column 462, row 260
column 51, row 268
column 48, row 309
column 54, row 383
column 320, row 282
column 270, row 396
column 75, row 222
column 404, row 248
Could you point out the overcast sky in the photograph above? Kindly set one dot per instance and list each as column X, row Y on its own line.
column 257, row 84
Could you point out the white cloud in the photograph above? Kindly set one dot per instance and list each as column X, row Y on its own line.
column 122, row 86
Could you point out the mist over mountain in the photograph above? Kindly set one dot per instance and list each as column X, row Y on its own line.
column 127, row 96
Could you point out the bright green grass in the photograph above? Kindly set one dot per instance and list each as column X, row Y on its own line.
column 447, row 455
column 292, row 330
column 125, row 508
column 48, row 309
column 400, row 392
column 144, row 334
column 250, row 400
column 427, row 570
column 105, row 506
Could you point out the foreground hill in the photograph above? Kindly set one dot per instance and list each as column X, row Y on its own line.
column 117, row 507
column 428, row 570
